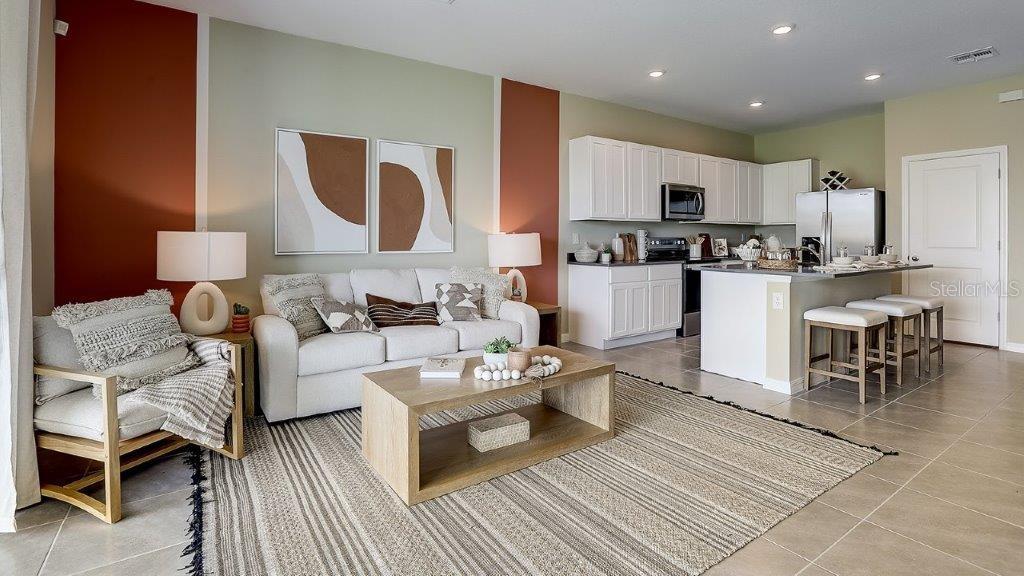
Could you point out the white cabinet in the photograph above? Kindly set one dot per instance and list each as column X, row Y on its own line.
column 749, row 193
column 782, row 182
column 613, row 180
column 679, row 167
column 620, row 305
column 666, row 305
column 644, row 184
column 718, row 178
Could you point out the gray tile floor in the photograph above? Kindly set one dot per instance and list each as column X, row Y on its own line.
column 950, row 503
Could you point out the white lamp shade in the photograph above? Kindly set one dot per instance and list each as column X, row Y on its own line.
column 513, row 250
column 200, row 256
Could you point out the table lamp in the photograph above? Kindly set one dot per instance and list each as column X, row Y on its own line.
column 510, row 251
column 201, row 257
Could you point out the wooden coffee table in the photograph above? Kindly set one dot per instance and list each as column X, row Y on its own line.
column 576, row 411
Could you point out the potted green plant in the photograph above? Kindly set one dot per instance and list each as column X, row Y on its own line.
column 606, row 256
column 496, row 350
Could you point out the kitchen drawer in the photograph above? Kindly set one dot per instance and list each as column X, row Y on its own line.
column 666, row 271
column 628, row 274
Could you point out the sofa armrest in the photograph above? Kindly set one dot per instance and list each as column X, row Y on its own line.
column 277, row 346
column 526, row 316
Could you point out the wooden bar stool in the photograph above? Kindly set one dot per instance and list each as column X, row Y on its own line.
column 898, row 313
column 929, row 306
column 861, row 323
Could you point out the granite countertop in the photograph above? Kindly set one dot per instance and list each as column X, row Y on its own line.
column 804, row 272
column 573, row 262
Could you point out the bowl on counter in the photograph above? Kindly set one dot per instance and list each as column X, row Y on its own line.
column 843, row 260
column 889, row 258
column 586, row 255
column 748, row 255
column 873, row 259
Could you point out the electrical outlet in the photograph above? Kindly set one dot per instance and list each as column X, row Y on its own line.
column 778, row 302
column 575, row 237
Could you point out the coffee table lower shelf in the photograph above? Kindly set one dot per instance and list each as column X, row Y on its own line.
column 448, row 462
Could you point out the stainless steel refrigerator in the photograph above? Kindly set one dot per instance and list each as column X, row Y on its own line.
column 830, row 219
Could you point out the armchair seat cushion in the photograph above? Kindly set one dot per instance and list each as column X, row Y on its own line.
column 80, row 414
column 405, row 342
column 474, row 334
column 332, row 352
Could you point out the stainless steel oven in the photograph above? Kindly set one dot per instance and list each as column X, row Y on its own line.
column 682, row 202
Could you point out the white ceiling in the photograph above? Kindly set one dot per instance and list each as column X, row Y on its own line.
column 719, row 55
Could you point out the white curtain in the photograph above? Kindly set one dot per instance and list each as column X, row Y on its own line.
column 19, row 475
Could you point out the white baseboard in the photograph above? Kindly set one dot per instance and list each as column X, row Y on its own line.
column 794, row 387
column 1013, row 347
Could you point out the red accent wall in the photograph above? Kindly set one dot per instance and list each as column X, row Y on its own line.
column 125, row 152
column 529, row 177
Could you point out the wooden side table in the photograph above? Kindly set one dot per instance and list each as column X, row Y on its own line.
column 248, row 345
column 550, row 323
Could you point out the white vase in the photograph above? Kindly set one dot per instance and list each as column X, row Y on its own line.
column 490, row 358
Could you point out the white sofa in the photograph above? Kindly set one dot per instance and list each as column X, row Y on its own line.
column 324, row 373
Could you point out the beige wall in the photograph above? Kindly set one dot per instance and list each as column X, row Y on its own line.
column 41, row 167
column 260, row 80
column 581, row 116
column 958, row 119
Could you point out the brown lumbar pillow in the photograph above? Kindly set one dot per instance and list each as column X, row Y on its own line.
column 386, row 312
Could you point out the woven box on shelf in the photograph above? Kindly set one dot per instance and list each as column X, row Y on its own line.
column 499, row 431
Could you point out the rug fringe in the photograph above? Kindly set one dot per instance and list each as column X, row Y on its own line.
column 822, row 431
column 194, row 459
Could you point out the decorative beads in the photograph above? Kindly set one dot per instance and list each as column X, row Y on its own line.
column 541, row 367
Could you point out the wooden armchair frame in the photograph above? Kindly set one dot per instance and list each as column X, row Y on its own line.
column 119, row 455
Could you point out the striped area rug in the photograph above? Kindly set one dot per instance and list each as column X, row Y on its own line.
column 685, row 482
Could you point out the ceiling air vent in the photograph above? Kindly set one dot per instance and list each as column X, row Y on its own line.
column 973, row 55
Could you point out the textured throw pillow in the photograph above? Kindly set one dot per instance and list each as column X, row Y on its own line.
column 458, row 301
column 54, row 346
column 291, row 295
column 495, row 287
column 342, row 316
column 135, row 338
column 385, row 312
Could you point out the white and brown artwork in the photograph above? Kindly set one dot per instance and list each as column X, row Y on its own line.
column 321, row 193
column 415, row 196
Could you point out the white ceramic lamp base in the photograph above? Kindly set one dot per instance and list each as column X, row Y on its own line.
column 517, row 280
column 189, row 316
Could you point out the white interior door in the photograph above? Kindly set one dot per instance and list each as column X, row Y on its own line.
column 952, row 222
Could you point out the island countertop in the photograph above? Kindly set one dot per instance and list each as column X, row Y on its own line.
column 804, row 272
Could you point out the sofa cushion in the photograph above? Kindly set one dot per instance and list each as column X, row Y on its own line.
column 400, row 285
column 403, row 342
column 474, row 334
column 80, row 414
column 54, row 346
column 429, row 278
column 332, row 352
column 338, row 286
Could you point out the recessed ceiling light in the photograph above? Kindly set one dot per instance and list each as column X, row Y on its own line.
column 783, row 29
column 872, row 77
column 656, row 73
column 756, row 104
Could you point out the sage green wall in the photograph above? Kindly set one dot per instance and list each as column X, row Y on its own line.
column 959, row 119
column 854, row 146
column 260, row 80
column 582, row 116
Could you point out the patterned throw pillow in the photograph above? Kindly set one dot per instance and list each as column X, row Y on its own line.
column 291, row 294
column 495, row 287
column 342, row 316
column 458, row 301
column 385, row 312
column 135, row 338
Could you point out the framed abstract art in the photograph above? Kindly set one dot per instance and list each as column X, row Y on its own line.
column 415, row 197
column 321, row 191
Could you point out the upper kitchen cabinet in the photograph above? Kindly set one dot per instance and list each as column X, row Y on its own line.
column 749, row 186
column 718, row 178
column 678, row 167
column 782, row 182
column 644, row 182
column 613, row 180
column 597, row 179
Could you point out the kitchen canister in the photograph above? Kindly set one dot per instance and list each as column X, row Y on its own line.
column 641, row 245
column 618, row 249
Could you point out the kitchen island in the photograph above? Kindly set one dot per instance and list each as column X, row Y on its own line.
column 752, row 319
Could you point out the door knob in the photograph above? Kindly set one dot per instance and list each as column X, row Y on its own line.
column 914, row 258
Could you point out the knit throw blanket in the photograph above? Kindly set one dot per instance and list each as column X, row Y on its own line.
column 198, row 402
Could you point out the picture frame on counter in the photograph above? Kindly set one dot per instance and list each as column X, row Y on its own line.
column 720, row 247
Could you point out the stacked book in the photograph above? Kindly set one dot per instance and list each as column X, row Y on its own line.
column 441, row 368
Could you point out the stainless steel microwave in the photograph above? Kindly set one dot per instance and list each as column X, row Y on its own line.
column 682, row 202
